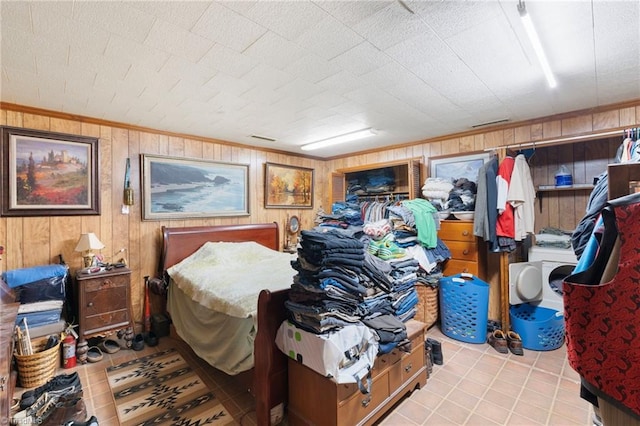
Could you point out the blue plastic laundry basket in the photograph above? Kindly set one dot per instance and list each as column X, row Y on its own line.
column 464, row 305
column 541, row 329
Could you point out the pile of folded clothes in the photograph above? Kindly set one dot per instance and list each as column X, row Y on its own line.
column 41, row 291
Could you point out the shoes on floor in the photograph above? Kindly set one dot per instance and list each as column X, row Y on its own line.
column 138, row 342
column 66, row 410
column 47, row 404
column 498, row 341
column 151, row 339
column 93, row 421
column 94, row 354
column 62, row 381
column 109, row 346
column 514, row 342
column 436, row 350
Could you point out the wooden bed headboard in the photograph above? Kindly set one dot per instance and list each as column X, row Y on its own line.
column 179, row 243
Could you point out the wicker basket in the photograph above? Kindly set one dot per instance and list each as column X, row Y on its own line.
column 427, row 307
column 35, row 370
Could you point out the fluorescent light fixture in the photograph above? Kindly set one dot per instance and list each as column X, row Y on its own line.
column 537, row 46
column 347, row 137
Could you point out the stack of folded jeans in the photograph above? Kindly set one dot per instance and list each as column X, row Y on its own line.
column 327, row 290
column 405, row 275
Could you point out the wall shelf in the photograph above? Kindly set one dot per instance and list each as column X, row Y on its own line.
column 540, row 190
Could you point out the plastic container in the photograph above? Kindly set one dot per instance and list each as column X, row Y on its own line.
column 541, row 329
column 563, row 177
column 464, row 308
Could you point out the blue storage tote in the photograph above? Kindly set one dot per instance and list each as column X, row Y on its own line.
column 541, row 329
column 464, row 308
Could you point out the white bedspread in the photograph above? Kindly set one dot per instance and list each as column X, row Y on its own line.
column 227, row 277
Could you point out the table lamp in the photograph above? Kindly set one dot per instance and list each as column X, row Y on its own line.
column 86, row 244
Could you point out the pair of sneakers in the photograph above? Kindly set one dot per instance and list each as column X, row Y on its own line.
column 385, row 248
column 57, row 383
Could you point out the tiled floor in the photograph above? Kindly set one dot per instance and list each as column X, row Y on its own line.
column 475, row 386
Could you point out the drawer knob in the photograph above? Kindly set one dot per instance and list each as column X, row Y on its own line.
column 465, row 252
column 106, row 283
column 465, row 233
column 408, row 368
column 366, row 401
column 90, row 304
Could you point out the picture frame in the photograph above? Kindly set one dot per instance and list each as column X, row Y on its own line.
column 192, row 188
column 455, row 166
column 288, row 186
column 48, row 174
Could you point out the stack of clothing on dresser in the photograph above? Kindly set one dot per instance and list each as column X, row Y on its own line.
column 41, row 291
column 340, row 284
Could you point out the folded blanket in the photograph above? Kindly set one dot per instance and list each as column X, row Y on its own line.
column 18, row 277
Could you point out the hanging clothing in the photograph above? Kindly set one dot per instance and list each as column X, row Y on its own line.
column 521, row 196
column 504, row 225
column 602, row 310
column 484, row 220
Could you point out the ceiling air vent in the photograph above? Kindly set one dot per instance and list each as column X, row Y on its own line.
column 490, row 123
column 264, row 138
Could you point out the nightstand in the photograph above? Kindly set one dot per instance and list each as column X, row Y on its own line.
column 104, row 302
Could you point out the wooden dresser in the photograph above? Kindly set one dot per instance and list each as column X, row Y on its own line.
column 318, row 400
column 8, row 377
column 468, row 252
column 104, row 302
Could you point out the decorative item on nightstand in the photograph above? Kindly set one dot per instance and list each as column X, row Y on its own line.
column 292, row 228
column 87, row 243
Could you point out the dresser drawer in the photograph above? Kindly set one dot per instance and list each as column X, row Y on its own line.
column 413, row 362
column 453, row 267
column 463, row 250
column 351, row 411
column 456, row 230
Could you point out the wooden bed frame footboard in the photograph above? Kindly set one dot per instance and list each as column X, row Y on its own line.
column 269, row 383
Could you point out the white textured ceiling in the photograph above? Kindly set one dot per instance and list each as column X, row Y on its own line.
column 300, row 71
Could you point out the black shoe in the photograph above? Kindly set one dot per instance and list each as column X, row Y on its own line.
column 436, row 349
column 138, row 342
column 57, row 383
column 151, row 339
column 93, row 421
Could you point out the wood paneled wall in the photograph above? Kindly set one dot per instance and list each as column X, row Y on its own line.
column 38, row 240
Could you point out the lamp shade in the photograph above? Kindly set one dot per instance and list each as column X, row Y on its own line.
column 88, row 242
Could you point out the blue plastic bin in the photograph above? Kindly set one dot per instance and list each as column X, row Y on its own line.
column 541, row 329
column 464, row 305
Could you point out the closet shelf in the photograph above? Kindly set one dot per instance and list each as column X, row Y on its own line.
column 540, row 190
column 575, row 187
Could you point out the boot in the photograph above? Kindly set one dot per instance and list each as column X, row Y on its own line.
column 429, row 355
column 436, row 349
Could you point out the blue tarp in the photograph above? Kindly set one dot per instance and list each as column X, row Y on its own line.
column 18, row 277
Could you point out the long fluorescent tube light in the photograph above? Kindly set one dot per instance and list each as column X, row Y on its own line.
column 537, row 46
column 347, row 137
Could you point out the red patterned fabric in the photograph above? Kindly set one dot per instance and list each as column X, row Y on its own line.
column 603, row 320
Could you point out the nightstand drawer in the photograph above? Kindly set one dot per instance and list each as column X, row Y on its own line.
column 105, row 283
column 105, row 321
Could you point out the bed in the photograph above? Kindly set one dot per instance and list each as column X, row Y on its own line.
column 267, row 379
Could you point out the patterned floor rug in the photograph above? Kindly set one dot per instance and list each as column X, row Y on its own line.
column 161, row 389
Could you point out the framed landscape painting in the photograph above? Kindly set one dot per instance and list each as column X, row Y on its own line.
column 181, row 188
column 48, row 174
column 288, row 186
column 453, row 167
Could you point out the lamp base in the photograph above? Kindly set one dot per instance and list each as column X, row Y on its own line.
column 87, row 260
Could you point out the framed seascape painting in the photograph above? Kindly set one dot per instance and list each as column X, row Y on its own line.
column 288, row 186
column 181, row 188
column 454, row 167
column 48, row 174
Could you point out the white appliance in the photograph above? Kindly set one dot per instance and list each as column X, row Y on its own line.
column 539, row 281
